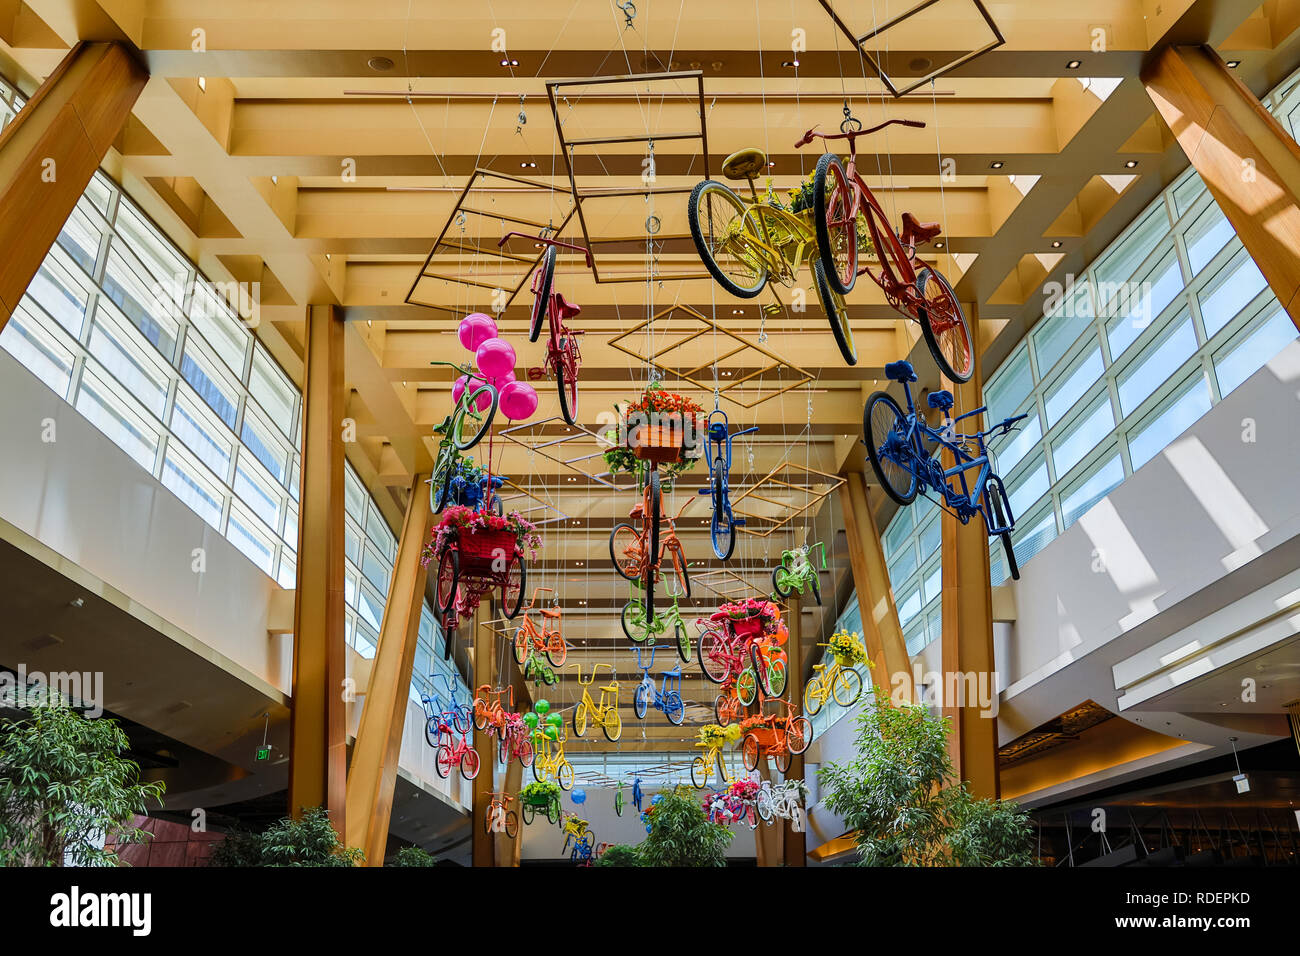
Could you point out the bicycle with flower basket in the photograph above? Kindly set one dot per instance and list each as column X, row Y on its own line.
column 540, row 797
column 777, row 736
column 577, row 833
column 516, row 741
column 746, row 634
column 476, row 552
column 712, row 739
column 477, row 406
column 783, row 801
column 839, row 681
column 530, row 638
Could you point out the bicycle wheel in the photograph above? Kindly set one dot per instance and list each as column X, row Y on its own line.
column 631, row 610
column 722, row 523
column 528, row 813
column 512, row 824
column 512, row 588
column 625, row 552
column 553, row 811
column 846, row 688
column 781, row 582
column 442, row 761
column 837, row 229
column 564, row 775
column 460, row 722
column 470, row 401
column 836, row 314
column 522, row 645
column 432, row 735
column 713, row 662
column 566, row 381
column 699, row 773
column 763, row 805
column 469, row 764
column 440, row 482
column 813, row 695
column 542, row 297
column 539, row 774
column 448, row 579
column 782, row 761
column 613, row 725
column 721, row 708
column 771, row 673
column 580, row 718
column 944, row 325
column 716, row 216
column 996, row 497
column 674, row 708
column 884, row 428
column 747, row 686
column 683, row 642
column 618, row 803
column 798, row 735
column 641, row 700
column 674, row 548
column 557, row 652
column 749, row 752
column 816, row 589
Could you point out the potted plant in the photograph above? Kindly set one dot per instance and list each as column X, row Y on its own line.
column 658, row 427
column 540, row 796
column 847, row 648
column 481, row 536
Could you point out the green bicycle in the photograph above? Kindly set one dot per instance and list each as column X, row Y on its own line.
column 796, row 572
column 639, row 630
column 537, row 670
column 619, row 800
column 478, row 406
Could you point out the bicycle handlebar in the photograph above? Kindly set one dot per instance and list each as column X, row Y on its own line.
column 550, row 242
column 812, row 134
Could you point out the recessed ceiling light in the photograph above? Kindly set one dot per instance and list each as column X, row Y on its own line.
column 527, row 165
column 1130, row 164
column 203, row 84
column 509, row 62
column 938, row 245
column 380, row 64
column 275, row 180
column 1056, row 244
column 1233, row 64
column 789, row 64
column 771, row 164
column 996, row 164
column 1074, row 64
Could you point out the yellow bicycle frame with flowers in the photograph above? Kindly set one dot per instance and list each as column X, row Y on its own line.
column 703, row 764
column 769, row 239
column 549, row 759
column 838, row 681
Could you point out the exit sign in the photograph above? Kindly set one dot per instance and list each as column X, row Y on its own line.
column 263, row 753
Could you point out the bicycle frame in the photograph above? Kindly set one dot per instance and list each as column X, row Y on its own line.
column 717, row 453
column 666, row 698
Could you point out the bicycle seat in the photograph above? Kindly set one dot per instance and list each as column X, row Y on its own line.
column 915, row 232
column 675, row 672
column 612, row 688
column 900, row 371
column 638, row 510
column 567, row 309
column 550, row 612
column 744, row 164
column 942, row 399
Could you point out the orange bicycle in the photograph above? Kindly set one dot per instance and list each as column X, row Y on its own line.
column 531, row 638
column 498, row 817
column 638, row 552
column 776, row 736
column 489, row 713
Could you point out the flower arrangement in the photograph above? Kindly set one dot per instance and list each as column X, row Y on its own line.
column 460, row 518
column 714, row 735
column 540, row 792
column 744, row 790
column 847, row 648
column 656, row 400
column 802, row 200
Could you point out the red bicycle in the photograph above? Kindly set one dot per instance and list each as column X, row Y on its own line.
column 915, row 289
column 453, row 751
column 562, row 357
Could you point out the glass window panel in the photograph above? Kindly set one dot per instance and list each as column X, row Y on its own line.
column 1160, row 287
column 265, row 445
column 291, row 527
column 256, row 491
column 273, row 391
column 1236, row 285
column 933, row 582
column 1082, row 436
column 911, row 606
column 1054, row 335
column 108, row 410
column 28, row 340
column 378, row 533
column 99, row 193
column 902, row 565
column 931, row 538
column 1239, row 362
column 1028, row 487
column 287, row 576
column 1009, row 387
column 293, row 480
column 198, row 429
column 1031, row 537
column 375, row 568
column 1208, row 234
column 1152, row 370
column 351, row 542
column 365, row 640
column 350, row 579
column 354, row 495
column 60, row 295
column 1061, row 397
column 190, row 482
column 215, row 388
column 80, row 238
column 1187, row 192
column 157, row 255
column 219, row 327
column 915, row 639
column 132, row 361
column 370, row 607
column 1011, row 450
column 1140, row 238
column 246, row 533
column 1091, row 489
column 1191, row 402
column 148, row 308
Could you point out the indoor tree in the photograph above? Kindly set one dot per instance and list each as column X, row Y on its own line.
column 901, row 797
column 65, row 783
column 308, row 841
column 681, row 834
column 620, row 854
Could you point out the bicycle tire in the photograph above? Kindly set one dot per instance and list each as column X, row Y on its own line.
column 721, row 708
column 528, row 813
column 816, row 588
column 812, row 696
column 852, row 684
column 782, row 761
column 683, row 642
column 470, row 400
column 469, row 764
column 701, row 192
column 561, row 776
column 829, row 175
column 747, row 686
column 448, row 580
column 673, row 704
column 874, row 435
column 957, row 337
column 776, row 677
column 1004, row 520
column 612, row 725
column 712, row 646
column 640, row 700
column 542, row 297
column 618, row 551
column 440, row 481
column 522, row 645
column 511, row 609
column 722, row 523
column 781, row 591
column 750, row 752
column 836, row 314
column 432, row 735
column 512, row 824
column 804, row 735
column 553, row 811
column 700, row 779
column 568, row 402
column 680, row 567
column 557, row 652
column 442, row 761
column 580, row 719
column 627, row 619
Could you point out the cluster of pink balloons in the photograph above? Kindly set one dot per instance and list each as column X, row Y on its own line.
column 495, row 359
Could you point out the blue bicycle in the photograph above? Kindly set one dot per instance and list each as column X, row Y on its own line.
column 717, row 452
column 668, row 699
column 898, row 446
column 455, row 712
column 636, row 793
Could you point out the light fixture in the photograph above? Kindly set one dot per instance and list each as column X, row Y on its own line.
column 789, row 64
column 1056, row 244
column 1130, row 164
column 771, row 163
column 203, row 84
column 275, row 180
column 1241, row 780
column 380, row 64
column 527, row 165
column 996, row 164
column 1074, row 64
column 327, row 257
column 509, row 62
column 1233, row 64
column 938, row 245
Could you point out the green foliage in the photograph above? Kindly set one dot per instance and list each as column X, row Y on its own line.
column 901, row 797
column 620, row 854
column 310, row 841
column 413, row 856
column 681, row 834
column 64, row 783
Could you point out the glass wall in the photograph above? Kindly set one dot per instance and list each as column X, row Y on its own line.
column 1172, row 317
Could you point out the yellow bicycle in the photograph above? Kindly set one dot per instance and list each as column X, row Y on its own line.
column 745, row 242
column 578, row 835
column 550, row 760
column 713, row 739
column 603, row 713
column 839, row 680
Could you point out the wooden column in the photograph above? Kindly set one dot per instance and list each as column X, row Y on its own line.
column 507, row 850
column 767, row 840
column 967, row 649
column 793, row 843
column 1247, row 159
column 317, row 741
column 881, row 631
column 372, row 774
column 50, row 151
column 484, row 642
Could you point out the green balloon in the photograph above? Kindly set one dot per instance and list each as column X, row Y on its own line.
column 555, row 720
column 552, row 733
column 542, row 706
column 531, row 721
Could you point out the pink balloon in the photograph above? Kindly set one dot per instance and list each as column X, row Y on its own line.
column 475, row 329
column 485, row 398
column 518, row 401
column 501, row 381
column 495, row 357
column 458, row 389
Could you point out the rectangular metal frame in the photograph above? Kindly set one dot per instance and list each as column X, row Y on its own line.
column 578, row 433
column 771, row 480
column 998, row 41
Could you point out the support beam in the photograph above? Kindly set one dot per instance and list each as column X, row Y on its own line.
column 793, row 844
column 50, row 151
column 767, row 840
column 967, row 607
column 373, row 771
column 484, row 643
column 507, row 849
column 1249, row 162
column 881, row 631
column 317, row 741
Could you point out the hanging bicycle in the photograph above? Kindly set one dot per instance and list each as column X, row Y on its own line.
column 667, row 698
column 638, row 552
column 638, row 629
column 796, row 572
column 717, row 452
column 477, row 405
